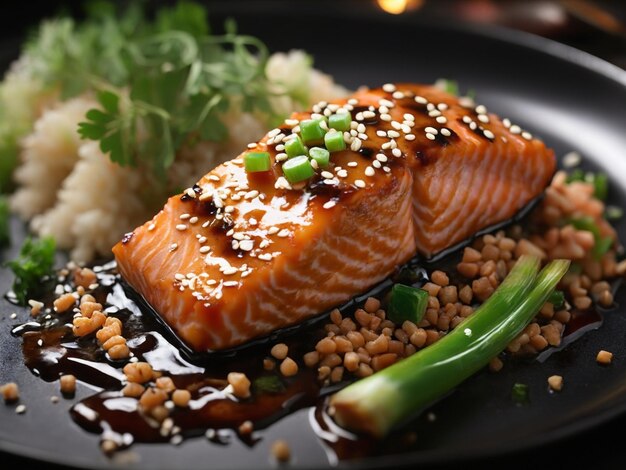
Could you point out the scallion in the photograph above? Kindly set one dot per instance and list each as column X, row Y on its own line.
column 600, row 186
column 519, row 393
column 557, row 298
column 311, row 132
column 340, row 122
column 334, row 141
column 298, row 169
column 407, row 303
column 320, row 155
column 379, row 402
column 257, row 161
column 602, row 246
column 613, row 213
column 294, row 147
column 5, row 237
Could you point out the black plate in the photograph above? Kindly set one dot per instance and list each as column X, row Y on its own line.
column 570, row 99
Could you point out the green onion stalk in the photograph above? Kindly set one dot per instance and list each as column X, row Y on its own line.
column 378, row 403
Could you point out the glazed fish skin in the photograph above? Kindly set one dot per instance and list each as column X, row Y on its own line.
column 243, row 255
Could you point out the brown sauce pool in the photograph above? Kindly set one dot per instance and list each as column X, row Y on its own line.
column 50, row 350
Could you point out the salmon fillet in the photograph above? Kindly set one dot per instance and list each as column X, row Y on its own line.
column 242, row 254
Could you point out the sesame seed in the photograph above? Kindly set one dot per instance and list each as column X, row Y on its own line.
column 396, row 152
column 352, row 164
column 184, row 216
column 280, row 147
column 430, row 107
column 20, row 409
column 406, row 128
column 483, row 118
column 430, row 136
column 487, row 133
column 363, row 136
column 434, row 113
column 272, row 230
column 442, row 106
column 280, row 157
column 342, row 173
column 389, row 87
column 420, row 100
column 251, row 194
column 369, row 171
column 467, row 119
column 381, row 157
column 205, row 249
column 384, row 102
column 327, row 174
column 282, row 183
column 283, row 233
column 527, row 135
column 173, row 247
column 409, row 137
column 179, row 276
column 473, row 125
column 360, row 128
column 409, row 117
column 393, row 134
column 446, row 132
column 329, row 205
column 314, row 164
column 376, row 164
column 480, row 109
column 252, row 145
column 396, row 125
column 229, row 271
column 229, row 209
column 230, row 283
column 381, row 133
column 359, row 116
column 355, row 145
column 515, row 129
column 385, row 117
column 214, row 177
column 441, row 119
column 369, row 114
column 181, row 227
column 193, row 220
column 398, row 95
column 359, row 183
column 273, row 132
column 353, row 101
column 431, row 130
column 265, row 256
column 151, row 227
column 264, row 244
column 383, row 110
column 386, row 169
column 246, row 245
column 571, row 159
column 506, row 122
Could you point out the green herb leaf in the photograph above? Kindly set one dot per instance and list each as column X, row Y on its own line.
column 36, row 260
column 268, row 384
column 557, row 298
column 519, row 393
column 5, row 219
column 449, row 86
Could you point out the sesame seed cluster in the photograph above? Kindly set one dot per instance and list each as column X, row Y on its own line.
column 377, row 135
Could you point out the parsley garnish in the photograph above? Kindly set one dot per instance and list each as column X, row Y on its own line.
column 36, row 260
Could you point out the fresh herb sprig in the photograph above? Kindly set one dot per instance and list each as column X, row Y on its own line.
column 36, row 260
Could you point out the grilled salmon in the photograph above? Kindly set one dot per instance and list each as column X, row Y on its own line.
column 241, row 254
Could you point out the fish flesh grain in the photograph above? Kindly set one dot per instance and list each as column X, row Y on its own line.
column 242, row 254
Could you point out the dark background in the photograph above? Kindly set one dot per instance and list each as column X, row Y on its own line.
column 594, row 26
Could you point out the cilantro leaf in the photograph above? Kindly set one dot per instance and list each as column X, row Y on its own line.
column 36, row 260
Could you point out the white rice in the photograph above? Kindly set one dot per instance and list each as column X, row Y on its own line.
column 73, row 192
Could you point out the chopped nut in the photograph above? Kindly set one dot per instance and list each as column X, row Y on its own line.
column 246, row 428
column 64, row 303
column 133, row 389
column 604, row 357
column 10, row 392
column 281, row 451
column 288, row 367
column 68, row 384
column 84, row 277
column 240, row 384
column 181, row 398
column 166, row 384
column 152, row 397
column 280, row 351
column 555, row 382
column 139, row 372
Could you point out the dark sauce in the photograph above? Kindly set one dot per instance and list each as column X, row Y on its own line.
column 50, row 350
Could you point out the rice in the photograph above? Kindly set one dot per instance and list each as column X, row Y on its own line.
column 72, row 191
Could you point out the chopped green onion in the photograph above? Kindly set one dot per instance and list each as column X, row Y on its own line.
column 311, row 132
column 600, row 186
column 557, row 298
column 587, row 224
column 576, row 175
column 5, row 234
column 407, row 303
column 268, row 384
column 257, row 161
column 295, row 147
column 298, row 169
column 449, row 86
column 334, row 141
column 340, row 122
column 320, row 155
column 613, row 213
column 602, row 246
column 519, row 393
